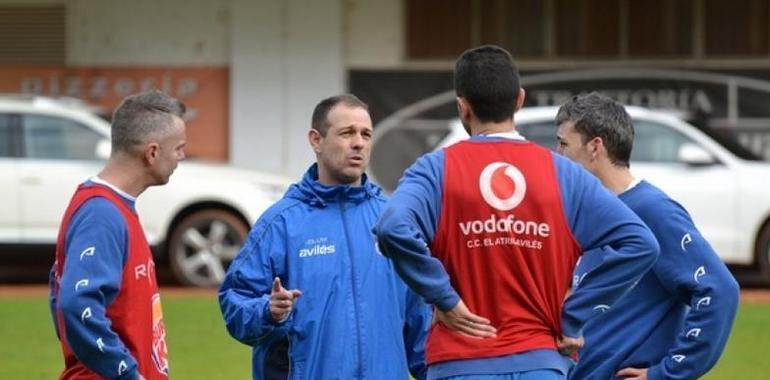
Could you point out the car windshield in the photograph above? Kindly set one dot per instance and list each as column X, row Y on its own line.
column 728, row 140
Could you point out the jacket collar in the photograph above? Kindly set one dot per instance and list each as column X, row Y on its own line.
column 309, row 190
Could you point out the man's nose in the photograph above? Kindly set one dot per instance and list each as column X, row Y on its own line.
column 358, row 141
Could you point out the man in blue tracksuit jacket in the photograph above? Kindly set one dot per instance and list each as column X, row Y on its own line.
column 675, row 323
column 347, row 315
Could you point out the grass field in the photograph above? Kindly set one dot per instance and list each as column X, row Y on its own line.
column 200, row 348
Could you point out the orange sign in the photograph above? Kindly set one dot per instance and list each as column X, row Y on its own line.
column 205, row 91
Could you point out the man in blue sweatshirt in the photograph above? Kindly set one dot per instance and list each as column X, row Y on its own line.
column 674, row 324
column 309, row 290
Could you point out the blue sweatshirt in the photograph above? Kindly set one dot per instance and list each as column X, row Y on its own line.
column 97, row 227
column 677, row 319
column 597, row 219
column 355, row 318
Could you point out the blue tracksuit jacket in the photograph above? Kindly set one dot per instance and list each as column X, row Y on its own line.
column 677, row 319
column 355, row 319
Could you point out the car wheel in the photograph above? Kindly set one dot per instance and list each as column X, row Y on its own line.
column 763, row 252
column 203, row 244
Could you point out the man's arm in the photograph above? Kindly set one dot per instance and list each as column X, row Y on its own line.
column 93, row 268
column 416, row 324
column 245, row 294
column 600, row 221
column 693, row 273
column 404, row 231
column 408, row 224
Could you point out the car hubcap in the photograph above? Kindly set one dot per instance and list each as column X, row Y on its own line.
column 205, row 250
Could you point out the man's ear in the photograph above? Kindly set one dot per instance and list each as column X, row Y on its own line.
column 520, row 99
column 464, row 110
column 151, row 152
column 314, row 138
column 596, row 147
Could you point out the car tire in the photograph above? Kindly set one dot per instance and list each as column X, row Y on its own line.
column 203, row 244
column 763, row 253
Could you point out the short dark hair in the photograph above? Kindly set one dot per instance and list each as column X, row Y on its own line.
column 320, row 120
column 144, row 115
column 597, row 115
column 488, row 79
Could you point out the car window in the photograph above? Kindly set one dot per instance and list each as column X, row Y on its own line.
column 542, row 133
column 5, row 135
column 50, row 137
column 655, row 142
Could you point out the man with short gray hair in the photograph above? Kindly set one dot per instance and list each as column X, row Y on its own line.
column 103, row 291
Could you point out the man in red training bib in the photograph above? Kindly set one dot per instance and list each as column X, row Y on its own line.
column 104, row 294
column 489, row 230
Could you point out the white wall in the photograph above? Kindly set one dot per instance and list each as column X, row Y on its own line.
column 285, row 57
column 374, row 31
column 178, row 32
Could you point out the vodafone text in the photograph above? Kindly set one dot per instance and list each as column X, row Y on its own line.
column 521, row 233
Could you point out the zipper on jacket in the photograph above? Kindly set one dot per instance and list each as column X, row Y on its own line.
column 355, row 293
column 288, row 357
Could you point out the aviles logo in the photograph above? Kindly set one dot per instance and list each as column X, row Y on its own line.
column 502, row 185
column 317, row 250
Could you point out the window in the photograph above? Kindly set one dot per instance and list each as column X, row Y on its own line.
column 443, row 29
column 656, row 143
column 541, row 133
column 660, row 28
column 437, row 29
column 5, row 135
column 47, row 137
column 588, row 29
column 737, row 28
column 32, row 34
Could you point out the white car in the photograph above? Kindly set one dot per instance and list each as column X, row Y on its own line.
column 722, row 185
column 196, row 223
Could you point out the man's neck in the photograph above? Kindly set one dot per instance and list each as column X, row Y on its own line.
column 489, row 128
column 124, row 176
column 616, row 179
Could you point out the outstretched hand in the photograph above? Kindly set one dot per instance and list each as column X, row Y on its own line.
column 461, row 319
column 282, row 300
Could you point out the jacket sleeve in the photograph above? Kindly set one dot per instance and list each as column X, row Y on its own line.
column 602, row 222
column 244, row 297
column 95, row 255
column 417, row 323
column 408, row 224
column 693, row 273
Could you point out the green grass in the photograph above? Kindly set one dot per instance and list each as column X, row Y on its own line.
column 200, row 348
column 744, row 357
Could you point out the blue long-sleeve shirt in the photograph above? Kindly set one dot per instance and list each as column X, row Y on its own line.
column 596, row 218
column 677, row 319
column 96, row 251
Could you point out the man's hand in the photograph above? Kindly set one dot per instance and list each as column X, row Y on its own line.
column 460, row 319
column 632, row 373
column 568, row 345
column 282, row 300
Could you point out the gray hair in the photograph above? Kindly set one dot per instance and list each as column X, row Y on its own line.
column 597, row 115
column 144, row 116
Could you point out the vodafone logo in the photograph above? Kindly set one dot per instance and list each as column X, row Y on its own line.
column 502, row 185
